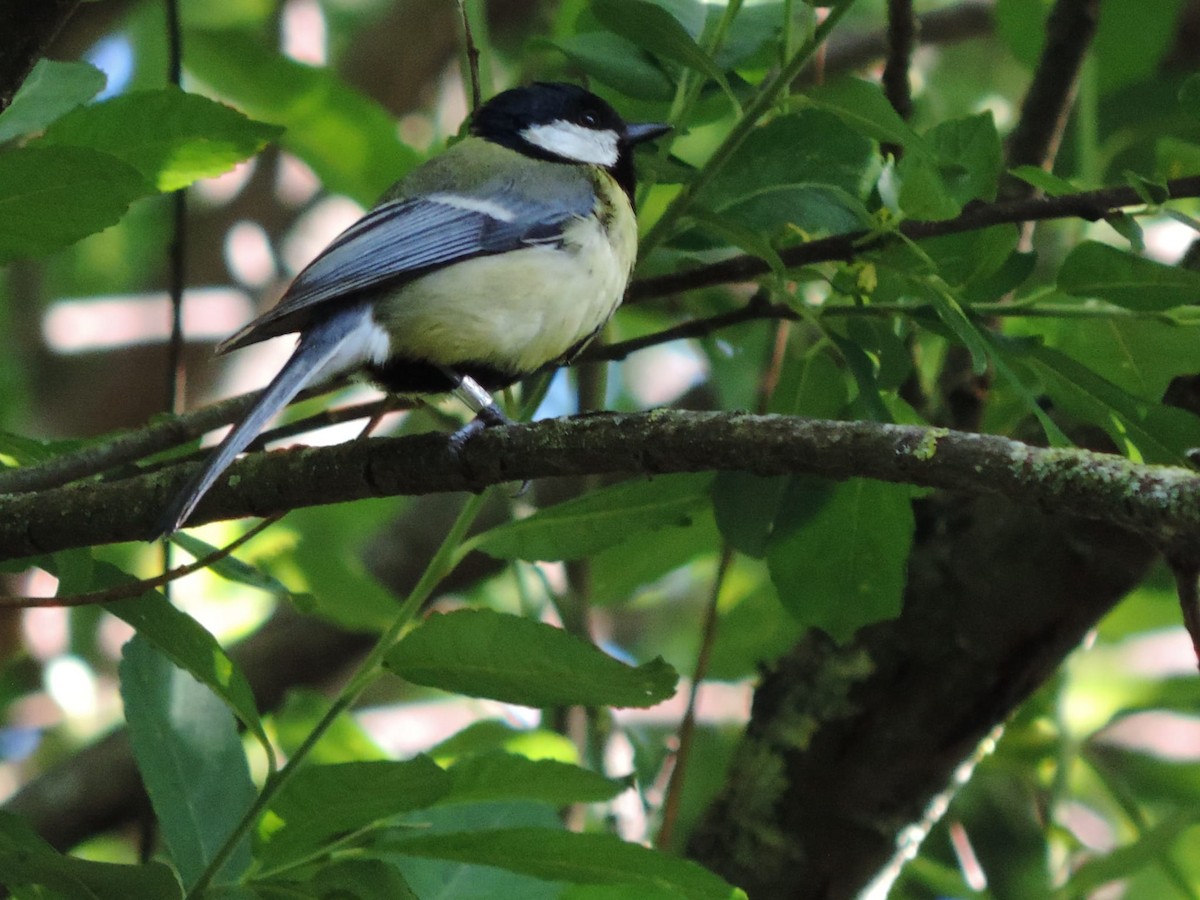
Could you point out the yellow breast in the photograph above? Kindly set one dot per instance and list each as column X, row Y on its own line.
column 520, row 310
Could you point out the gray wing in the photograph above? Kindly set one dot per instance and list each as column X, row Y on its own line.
column 401, row 239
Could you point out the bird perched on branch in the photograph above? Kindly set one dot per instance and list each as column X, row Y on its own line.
column 504, row 254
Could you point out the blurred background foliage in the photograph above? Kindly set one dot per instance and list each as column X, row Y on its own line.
column 1076, row 330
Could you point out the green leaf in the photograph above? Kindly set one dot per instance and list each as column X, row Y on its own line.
column 652, row 28
column 1189, row 96
column 190, row 758
column 348, row 139
column 576, row 858
column 745, row 505
column 361, row 879
column 599, row 519
column 923, row 191
column 1151, row 846
column 231, row 568
column 171, row 137
column 52, row 88
column 507, row 776
column 1143, row 431
column 971, row 156
column 863, row 106
column 50, row 197
column 839, row 553
column 1128, row 280
column 344, row 739
column 806, row 171
column 621, row 572
column 1049, row 184
column 188, row 645
column 482, row 653
column 492, row 735
column 616, row 62
column 321, row 803
column 28, row 861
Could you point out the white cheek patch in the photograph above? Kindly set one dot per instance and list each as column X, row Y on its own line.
column 574, row 142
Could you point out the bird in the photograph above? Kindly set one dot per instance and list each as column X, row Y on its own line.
column 503, row 255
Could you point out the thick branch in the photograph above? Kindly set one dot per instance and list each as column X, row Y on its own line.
column 1161, row 502
column 1089, row 205
column 848, row 746
column 1069, row 32
column 902, row 26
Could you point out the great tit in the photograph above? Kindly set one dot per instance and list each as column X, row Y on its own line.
column 504, row 254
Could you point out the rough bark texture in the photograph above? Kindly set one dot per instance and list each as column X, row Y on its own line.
column 848, row 745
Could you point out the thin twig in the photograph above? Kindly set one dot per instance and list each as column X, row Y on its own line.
column 472, row 53
column 137, row 588
column 687, row 728
column 127, row 447
column 1088, row 205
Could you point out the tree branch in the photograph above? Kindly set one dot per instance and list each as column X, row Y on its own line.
column 1159, row 501
column 1089, row 205
column 1034, row 141
column 849, row 745
column 901, row 30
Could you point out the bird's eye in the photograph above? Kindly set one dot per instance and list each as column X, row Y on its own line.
column 590, row 119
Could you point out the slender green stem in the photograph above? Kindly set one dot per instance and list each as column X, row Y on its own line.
column 443, row 561
column 758, row 107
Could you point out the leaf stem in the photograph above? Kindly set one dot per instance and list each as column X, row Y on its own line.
column 442, row 563
column 757, row 108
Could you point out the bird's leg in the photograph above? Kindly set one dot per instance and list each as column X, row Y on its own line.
column 480, row 402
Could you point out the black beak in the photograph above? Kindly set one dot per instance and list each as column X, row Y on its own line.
column 646, row 131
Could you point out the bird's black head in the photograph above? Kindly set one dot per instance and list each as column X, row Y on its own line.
column 563, row 123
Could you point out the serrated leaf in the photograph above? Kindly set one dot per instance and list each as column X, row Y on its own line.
column 616, row 62
column 1098, row 270
column 190, row 758
column 349, row 140
column 599, row 519
column 52, row 89
column 806, row 171
column 863, row 106
column 1144, row 431
column 653, row 28
column 482, row 653
column 575, row 858
column 321, row 803
column 839, row 559
column 26, row 860
column 188, row 645
column 173, row 138
column 507, row 776
column 50, row 197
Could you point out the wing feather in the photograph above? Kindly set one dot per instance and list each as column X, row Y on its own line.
column 400, row 240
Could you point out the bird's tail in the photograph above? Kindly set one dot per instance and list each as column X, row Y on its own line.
column 324, row 350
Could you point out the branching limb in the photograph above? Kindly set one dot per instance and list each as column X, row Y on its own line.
column 1159, row 501
column 1088, row 205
